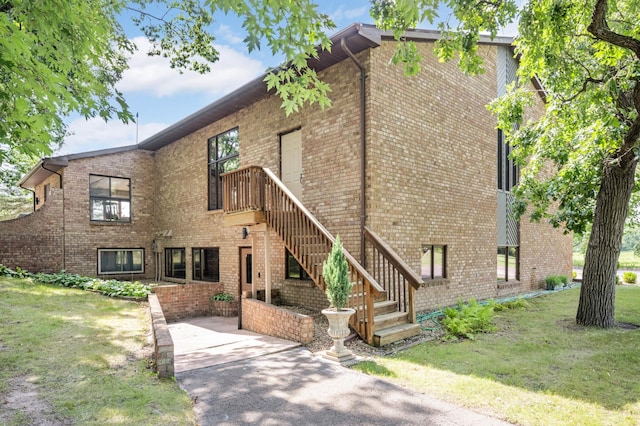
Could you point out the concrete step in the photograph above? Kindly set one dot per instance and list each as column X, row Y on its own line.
column 393, row 334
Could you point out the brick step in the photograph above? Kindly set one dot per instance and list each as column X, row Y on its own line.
column 393, row 334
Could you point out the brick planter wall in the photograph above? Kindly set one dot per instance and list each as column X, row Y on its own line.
column 163, row 343
column 221, row 308
column 271, row 320
column 186, row 300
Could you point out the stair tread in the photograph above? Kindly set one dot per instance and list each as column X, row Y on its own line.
column 396, row 329
column 391, row 315
column 385, row 303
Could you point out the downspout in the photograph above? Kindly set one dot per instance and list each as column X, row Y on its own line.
column 64, row 234
column 363, row 145
column 34, row 196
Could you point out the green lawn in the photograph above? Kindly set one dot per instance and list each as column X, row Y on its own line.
column 69, row 356
column 538, row 369
column 627, row 260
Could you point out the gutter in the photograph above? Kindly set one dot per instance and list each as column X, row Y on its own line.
column 363, row 146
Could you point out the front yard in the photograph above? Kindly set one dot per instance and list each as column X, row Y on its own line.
column 539, row 368
column 74, row 357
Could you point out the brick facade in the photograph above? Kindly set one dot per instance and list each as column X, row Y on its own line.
column 430, row 179
column 35, row 242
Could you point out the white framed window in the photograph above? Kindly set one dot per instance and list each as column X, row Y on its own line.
column 120, row 261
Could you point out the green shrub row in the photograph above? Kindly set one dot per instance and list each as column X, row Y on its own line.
column 111, row 288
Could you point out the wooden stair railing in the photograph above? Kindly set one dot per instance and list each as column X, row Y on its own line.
column 255, row 188
column 398, row 280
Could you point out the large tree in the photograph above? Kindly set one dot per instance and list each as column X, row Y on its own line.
column 59, row 57
column 587, row 57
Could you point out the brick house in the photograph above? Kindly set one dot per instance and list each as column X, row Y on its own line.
column 410, row 172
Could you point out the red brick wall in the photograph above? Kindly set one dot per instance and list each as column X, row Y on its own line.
column 186, row 300
column 267, row 319
column 35, row 242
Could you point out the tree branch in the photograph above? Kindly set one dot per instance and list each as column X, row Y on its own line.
column 600, row 29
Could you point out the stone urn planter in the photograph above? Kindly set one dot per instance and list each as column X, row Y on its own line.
column 338, row 330
column 335, row 272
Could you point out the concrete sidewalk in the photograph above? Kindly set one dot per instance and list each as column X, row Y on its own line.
column 244, row 378
column 208, row 341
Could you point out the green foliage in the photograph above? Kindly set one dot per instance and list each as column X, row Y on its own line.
column 466, row 320
column 508, row 305
column 629, row 277
column 111, row 288
column 471, row 20
column 63, row 57
column 222, row 297
column 335, row 271
column 555, row 281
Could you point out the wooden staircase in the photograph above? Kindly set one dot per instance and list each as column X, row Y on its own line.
column 382, row 299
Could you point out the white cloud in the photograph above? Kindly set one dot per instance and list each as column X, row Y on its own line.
column 349, row 14
column 154, row 75
column 228, row 34
column 95, row 134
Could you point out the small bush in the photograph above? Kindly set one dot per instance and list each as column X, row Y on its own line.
column 518, row 303
column 222, row 297
column 629, row 277
column 555, row 281
column 466, row 320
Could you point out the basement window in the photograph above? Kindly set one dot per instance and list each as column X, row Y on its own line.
column 508, row 263
column 434, row 261
column 206, row 264
column 175, row 263
column 294, row 271
column 120, row 261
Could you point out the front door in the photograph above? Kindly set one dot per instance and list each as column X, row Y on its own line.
column 246, row 278
column 291, row 162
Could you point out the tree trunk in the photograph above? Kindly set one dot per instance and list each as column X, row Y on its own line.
column 598, row 292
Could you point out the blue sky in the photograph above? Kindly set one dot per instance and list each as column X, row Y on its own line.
column 162, row 96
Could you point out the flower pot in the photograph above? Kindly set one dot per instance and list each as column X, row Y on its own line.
column 338, row 330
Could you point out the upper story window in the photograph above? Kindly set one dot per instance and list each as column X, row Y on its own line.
column 508, row 170
column 223, row 157
column 434, row 262
column 109, row 199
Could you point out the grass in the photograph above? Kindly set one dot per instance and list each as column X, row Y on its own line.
column 538, row 369
column 627, row 260
column 70, row 356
